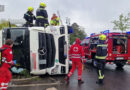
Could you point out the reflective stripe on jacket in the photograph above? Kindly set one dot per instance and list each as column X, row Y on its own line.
column 101, row 51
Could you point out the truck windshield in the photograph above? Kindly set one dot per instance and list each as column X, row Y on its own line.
column 120, row 44
column 20, row 36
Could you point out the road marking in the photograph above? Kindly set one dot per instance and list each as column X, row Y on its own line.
column 30, row 85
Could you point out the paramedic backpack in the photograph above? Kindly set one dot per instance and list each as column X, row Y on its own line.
column 1, row 50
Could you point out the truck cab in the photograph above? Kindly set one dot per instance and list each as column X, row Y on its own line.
column 40, row 50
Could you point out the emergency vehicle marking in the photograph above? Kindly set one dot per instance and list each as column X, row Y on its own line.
column 75, row 49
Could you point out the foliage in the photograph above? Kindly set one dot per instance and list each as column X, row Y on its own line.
column 78, row 33
column 122, row 24
column 25, row 73
column 4, row 24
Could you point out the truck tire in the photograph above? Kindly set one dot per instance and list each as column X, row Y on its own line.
column 120, row 64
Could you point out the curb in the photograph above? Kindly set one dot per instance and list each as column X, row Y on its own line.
column 31, row 85
column 24, row 79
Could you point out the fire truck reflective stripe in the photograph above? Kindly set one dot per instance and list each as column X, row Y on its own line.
column 101, row 57
column 103, row 45
column 100, row 76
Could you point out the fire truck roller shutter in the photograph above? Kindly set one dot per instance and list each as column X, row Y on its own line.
column 42, row 51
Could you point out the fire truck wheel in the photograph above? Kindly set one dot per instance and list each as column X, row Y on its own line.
column 120, row 64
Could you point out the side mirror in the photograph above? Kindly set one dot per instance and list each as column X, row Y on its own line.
column 70, row 30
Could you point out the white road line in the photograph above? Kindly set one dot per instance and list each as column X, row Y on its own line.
column 30, row 85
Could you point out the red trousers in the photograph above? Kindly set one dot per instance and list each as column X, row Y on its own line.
column 5, row 77
column 78, row 64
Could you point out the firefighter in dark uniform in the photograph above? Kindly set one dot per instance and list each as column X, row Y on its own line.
column 101, row 53
column 29, row 17
column 42, row 16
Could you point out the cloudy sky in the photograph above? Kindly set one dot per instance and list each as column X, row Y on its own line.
column 93, row 15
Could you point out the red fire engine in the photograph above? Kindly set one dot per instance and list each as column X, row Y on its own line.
column 118, row 48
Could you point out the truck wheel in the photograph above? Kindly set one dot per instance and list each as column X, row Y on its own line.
column 94, row 63
column 120, row 64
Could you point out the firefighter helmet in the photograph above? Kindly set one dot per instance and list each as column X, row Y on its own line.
column 102, row 37
column 30, row 9
column 42, row 4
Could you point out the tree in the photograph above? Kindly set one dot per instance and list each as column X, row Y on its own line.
column 5, row 24
column 78, row 33
column 122, row 24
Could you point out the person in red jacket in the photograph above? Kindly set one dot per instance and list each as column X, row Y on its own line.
column 7, row 56
column 76, row 54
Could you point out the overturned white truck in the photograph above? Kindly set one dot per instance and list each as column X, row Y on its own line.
column 40, row 50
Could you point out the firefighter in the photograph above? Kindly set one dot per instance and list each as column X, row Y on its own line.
column 7, row 56
column 76, row 54
column 55, row 20
column 42, row 16
column 29, row 17
column 101, row 53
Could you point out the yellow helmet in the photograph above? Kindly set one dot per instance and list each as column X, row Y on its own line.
column 42, row 4
column 30, row 9
column 102, row 37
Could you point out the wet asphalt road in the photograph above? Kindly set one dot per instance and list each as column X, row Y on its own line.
column 114, row 80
